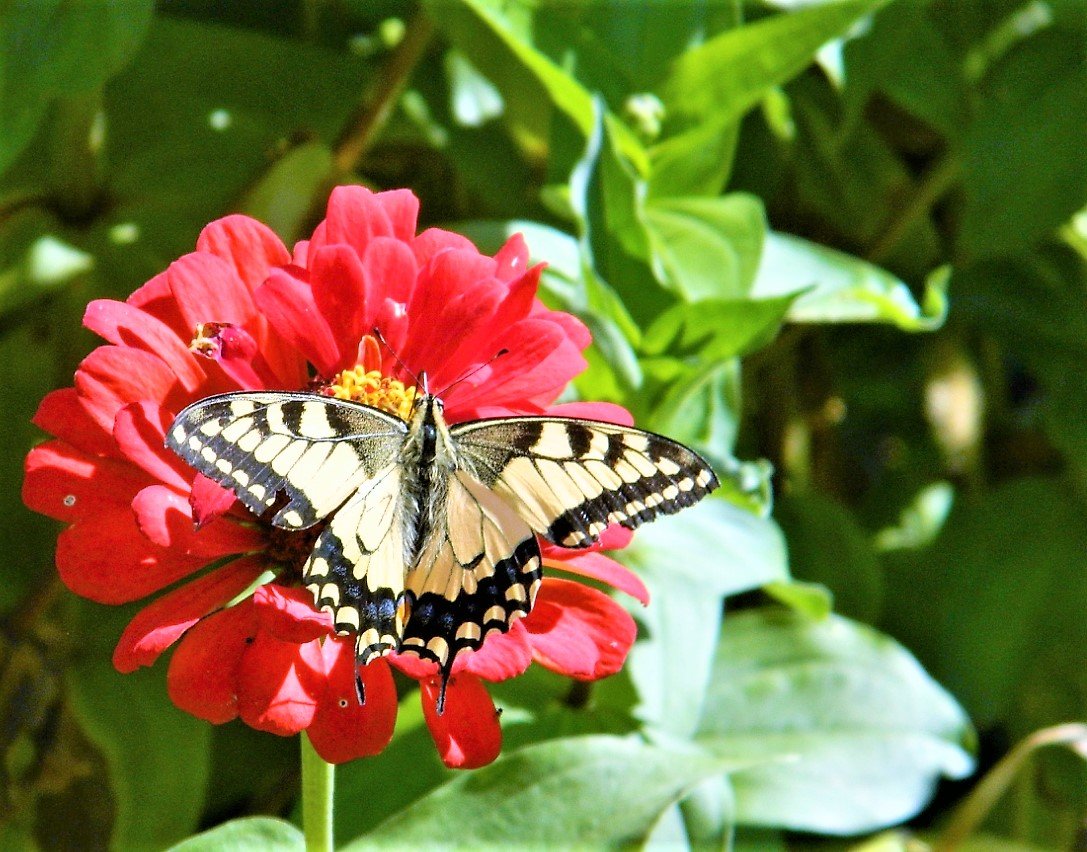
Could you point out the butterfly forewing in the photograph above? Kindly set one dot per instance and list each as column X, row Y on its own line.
column 570, row 479
column 314, row 450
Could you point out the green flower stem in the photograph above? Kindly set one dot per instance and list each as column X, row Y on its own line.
column 75, row 150
column 318, row 786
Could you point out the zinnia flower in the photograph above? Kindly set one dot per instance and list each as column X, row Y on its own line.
column 244, row 313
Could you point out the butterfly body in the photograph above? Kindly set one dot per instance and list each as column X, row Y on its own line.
column 430, row 543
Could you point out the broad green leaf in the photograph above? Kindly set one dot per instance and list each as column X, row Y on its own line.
column 59, row 47
column 503, row 53
column 1024, row 162
column 706, row 248
column 250, row 834
column 157, row 755
column 717, row 329
column 598, row 789
column 811, row 600
column 695, row 162
column 731, row 72
column 842, row 288
column 824, row 700
column 690, row 562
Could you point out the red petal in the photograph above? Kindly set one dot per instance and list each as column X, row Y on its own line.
column 342, row 729
column 61, row 413
column 467, row 733
column 207, row 289
column 340, row 293
column 126, row 325
column 287, row 301
column 106, row 559
column 209, row 500
column 602, row 568
column 111, row 377
column 356, row 215
column 278, row 684
column 140, row 432
column 502, row 656
column 435, row 240
column 68, row 485
column 413, row 665
column 203, row 673
column 288, row 614
column 249, row 246
column 511, row 261
column 578, row 631
column 156, row 627
column 606, row 412
column 155, row 298
column 165, row 517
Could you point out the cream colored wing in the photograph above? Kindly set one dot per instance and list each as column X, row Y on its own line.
column 476, row 573
column 314, row 450
column 356, row 570
column 569, row 479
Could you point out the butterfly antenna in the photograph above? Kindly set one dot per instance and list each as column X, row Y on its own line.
column 472, row 371
column 376, row 332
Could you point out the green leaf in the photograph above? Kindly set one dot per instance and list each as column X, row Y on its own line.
column 844, row 288
column 158, row 756
column 706, row 248
column 283, row 195
column 733, row 71
column 1024, row 161
column 717, row 329
column 826, row 700
column 250, row 834
column 598, row 789
column 59, row 47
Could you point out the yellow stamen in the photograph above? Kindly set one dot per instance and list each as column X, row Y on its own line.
column 370, row 387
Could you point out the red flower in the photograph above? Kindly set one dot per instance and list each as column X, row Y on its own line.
column 241, row 312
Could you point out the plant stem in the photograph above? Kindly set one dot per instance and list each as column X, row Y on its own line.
column 318, row 785
column 936, row 181
column 972, row 812
column 76, row 142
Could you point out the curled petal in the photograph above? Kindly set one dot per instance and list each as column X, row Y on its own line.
column 288, row 614
column 207, row 289
column 579, row 632
column 126, row 325
column 140, row 432
column 466, row 733
column 287, row 301
column 605, row 569
column 279, row 683
column 156, row 627
column 209, row 500
column 203, row 674
column 249, row 246
column 165, row 517
column 342, row 729
column 111, row 377
column 511, row 261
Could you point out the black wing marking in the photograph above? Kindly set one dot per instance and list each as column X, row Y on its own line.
column 316, row 450
column 477, row 573
column 569, row 479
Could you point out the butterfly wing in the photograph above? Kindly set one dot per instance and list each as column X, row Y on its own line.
column 315, row 450
column 477, row 572
column 569, row 479
column 356, row 569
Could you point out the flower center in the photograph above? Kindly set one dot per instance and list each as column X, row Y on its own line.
column 371, row 388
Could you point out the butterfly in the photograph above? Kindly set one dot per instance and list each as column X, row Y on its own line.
column 430, row 544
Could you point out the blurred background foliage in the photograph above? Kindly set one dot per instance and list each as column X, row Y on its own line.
column 839, row 246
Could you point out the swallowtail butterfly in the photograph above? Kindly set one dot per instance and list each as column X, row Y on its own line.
column 430, row 543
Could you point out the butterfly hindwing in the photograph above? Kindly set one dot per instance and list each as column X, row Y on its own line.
column 569, row 479
column 356, row 569
column 478, row 571
column 314, row 450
